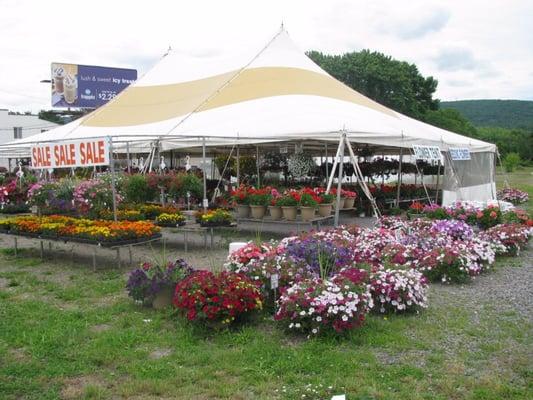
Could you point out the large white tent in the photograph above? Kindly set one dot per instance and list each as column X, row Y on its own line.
column 276, row 94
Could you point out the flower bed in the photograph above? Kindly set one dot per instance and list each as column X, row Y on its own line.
column 216, row 217
column 170, row 220
column 515, row 196
column 91, row 231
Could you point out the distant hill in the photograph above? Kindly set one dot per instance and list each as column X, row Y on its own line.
column 501, row 113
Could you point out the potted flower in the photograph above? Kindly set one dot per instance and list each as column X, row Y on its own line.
column 325, row 206
column 217, row 217
column 240, row 197
column 259, row 199
column 274, row 208
column 309, row 200
column 288, row 204
column 170, row 220
column 154, row 284
column 349, row 198
column 416, row 210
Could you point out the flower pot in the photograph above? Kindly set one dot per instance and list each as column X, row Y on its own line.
column 289, row 213
column 275, row 212
column 324, row 210
column 243, row 211
column 258, row 212
column 163, row 298
column 349, row 202
column 308, row 213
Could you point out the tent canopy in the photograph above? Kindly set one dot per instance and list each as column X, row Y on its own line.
column 276, row 94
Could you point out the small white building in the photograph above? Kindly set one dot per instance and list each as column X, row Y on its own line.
column 17, row 126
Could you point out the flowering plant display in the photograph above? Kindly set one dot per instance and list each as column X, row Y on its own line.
column 173, row 220
column 416, row 207
column 151, row 211
column 76, row 228
column 240, row 195
column 290, row 199
column 398, row 290
column 515, row 196
column 259, row 197
column 122, row 215
column 239, row 259
column 308, row 200
column 41, row 193
column 145, row 282
column 314, row 305
column 217, row 299
column 300, row 165
column 517, row 216
column 453, row 228
column 93, row 196
column 216, row 217
column 508, row 238
column 489, row 217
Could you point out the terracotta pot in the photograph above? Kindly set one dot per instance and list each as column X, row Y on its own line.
column 243, row 211
column 324, row 210
column 349, row 202
column 163, row 299
column 308, row 213
column 289, row 213
column 258, row 212
column 275, row 212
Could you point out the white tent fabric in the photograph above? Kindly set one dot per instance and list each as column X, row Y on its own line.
column 277, row 94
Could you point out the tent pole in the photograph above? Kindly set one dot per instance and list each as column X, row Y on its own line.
column 437, row 185
column 332, row 175
column 238, row 167
column 361, row 181
column 399, row 179
column 113, row 188
column 327, row 164
column 339, row 183
column 128, row 157
column 257, row 166
column 204, row 202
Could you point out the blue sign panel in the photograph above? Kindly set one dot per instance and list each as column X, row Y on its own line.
column 87, row 86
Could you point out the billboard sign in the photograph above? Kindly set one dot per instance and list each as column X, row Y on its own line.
column 70, row 154
column 87, row 86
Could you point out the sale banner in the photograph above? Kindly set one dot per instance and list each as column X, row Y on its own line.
column 70, row 154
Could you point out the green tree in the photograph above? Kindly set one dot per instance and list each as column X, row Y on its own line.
column 395, row 84
column 511, row 161
column 451, row 120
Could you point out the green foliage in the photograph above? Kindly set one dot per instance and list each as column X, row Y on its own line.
column 395, row 84
column 287, row 201
column 509, row 140
column 187, row 182
column 307, row 200
column 503, row 113
column 451, row 120
column 511, row 161
column 137, row 190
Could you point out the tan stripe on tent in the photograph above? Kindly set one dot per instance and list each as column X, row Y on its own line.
column 148, row 104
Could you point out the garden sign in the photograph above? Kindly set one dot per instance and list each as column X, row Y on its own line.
column 70, row 154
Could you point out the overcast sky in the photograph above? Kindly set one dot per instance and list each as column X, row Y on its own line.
column 475, row 48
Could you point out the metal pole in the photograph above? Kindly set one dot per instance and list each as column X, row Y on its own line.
column 399, row 178
column 327, row 161
column 437, row 185
column 112, row 168
column 335, row 162
column 339, row 183
column 204, row 202
column 128, row 157
column 257, row 166
column 238, row 167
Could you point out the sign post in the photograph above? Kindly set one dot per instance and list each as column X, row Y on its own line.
column 112, row 168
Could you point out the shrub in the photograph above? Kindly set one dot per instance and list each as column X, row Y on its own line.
column 217, row 299
column 511, row 161
column 137, row 190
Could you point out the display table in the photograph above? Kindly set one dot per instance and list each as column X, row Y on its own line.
column 201, row 230
column 298, row 222
column 75, row 241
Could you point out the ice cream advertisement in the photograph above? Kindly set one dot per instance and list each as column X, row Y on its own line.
column 87, row 86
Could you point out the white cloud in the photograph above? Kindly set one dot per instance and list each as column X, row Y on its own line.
column 494, row 37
